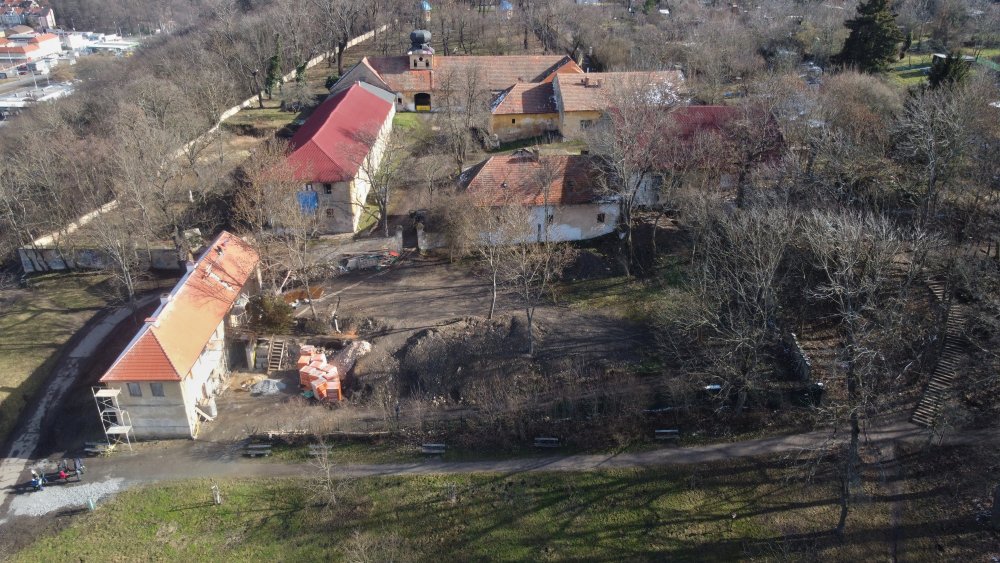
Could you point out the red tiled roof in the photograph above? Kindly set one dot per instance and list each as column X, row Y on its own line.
column 499, row 73
column 167, row 347
column 594, row 91
column 526, row 99
column 334, row 141
column 15, row 48
column 517, row 178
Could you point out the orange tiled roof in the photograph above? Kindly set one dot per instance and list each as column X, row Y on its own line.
column 169, row 344
column 499, row 73
column 517, row 178
column 43, row 37
column 594, row 91
column 15, row 48
column 522, row 99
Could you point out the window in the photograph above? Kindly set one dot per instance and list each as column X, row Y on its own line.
column 309, row 188
column 134, row 390
column 331, row 212
column 586, row 123
column 512, row 120
column 328, row 189
column 399, row 101
column 600, row 217
column 549, row 219
column 156, row 389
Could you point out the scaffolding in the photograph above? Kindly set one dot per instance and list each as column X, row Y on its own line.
column 116, row 421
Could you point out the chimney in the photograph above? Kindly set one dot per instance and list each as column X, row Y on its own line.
column 164, row 298
column 189, row 266
column 586, row 81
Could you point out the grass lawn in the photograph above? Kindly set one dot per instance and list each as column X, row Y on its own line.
column 681, row 514
column 33, row 326
column 546, row 145
column 267, row 118
column 761, row 509
column 911, row 70
column 630, row 298
column 407, row 122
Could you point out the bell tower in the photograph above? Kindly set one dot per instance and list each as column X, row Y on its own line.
column 421, row 53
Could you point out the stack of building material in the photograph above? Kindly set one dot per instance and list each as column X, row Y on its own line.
column 322, row 377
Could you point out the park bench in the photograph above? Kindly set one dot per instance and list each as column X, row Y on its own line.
column 432, row 449
column 257, row 450
column 544, row 442
column 668, row 434
column 316, row 450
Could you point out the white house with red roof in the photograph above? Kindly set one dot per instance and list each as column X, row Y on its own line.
column 29, row 47
column 176, row 364
column 562, row 192
column 331, row 152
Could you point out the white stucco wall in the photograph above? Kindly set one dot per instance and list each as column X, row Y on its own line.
column 155, row 417
column 574, row 222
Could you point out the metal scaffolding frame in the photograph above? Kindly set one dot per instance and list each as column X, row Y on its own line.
column 116, row 421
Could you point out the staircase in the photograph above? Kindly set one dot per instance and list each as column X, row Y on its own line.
column 275, row 354
column 939, row 386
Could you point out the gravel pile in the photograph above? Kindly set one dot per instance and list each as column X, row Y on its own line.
column 60, row 497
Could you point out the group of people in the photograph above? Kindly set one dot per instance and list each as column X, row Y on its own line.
column 39, row 479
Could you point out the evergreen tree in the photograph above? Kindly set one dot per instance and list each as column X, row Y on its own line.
column 273, row 77
column 951, row 70
column 874, row 39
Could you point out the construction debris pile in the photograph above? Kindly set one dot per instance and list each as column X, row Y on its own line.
column 323, row 379
column 267, row 387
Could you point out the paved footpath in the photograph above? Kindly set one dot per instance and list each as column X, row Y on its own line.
column 16, row 459
column 167, row 463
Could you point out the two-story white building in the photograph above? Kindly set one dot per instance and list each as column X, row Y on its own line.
column 335, row 149
column 171, row 371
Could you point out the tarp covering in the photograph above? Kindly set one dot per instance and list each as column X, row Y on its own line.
column 308, row 201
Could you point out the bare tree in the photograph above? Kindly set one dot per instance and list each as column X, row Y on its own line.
column 932, row 137
column 463, row 111
column 498, row 228
column 529, row 270
column 629, row 148
column 735, row 286
column 266, row 197
column 854, row 255
column 339, row 22
column 385, row 174
column 326, row 482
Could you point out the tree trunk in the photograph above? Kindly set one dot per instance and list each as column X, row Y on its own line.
column 530, row 312
column 493, row 301
column 341, row 45
column 844, row 505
